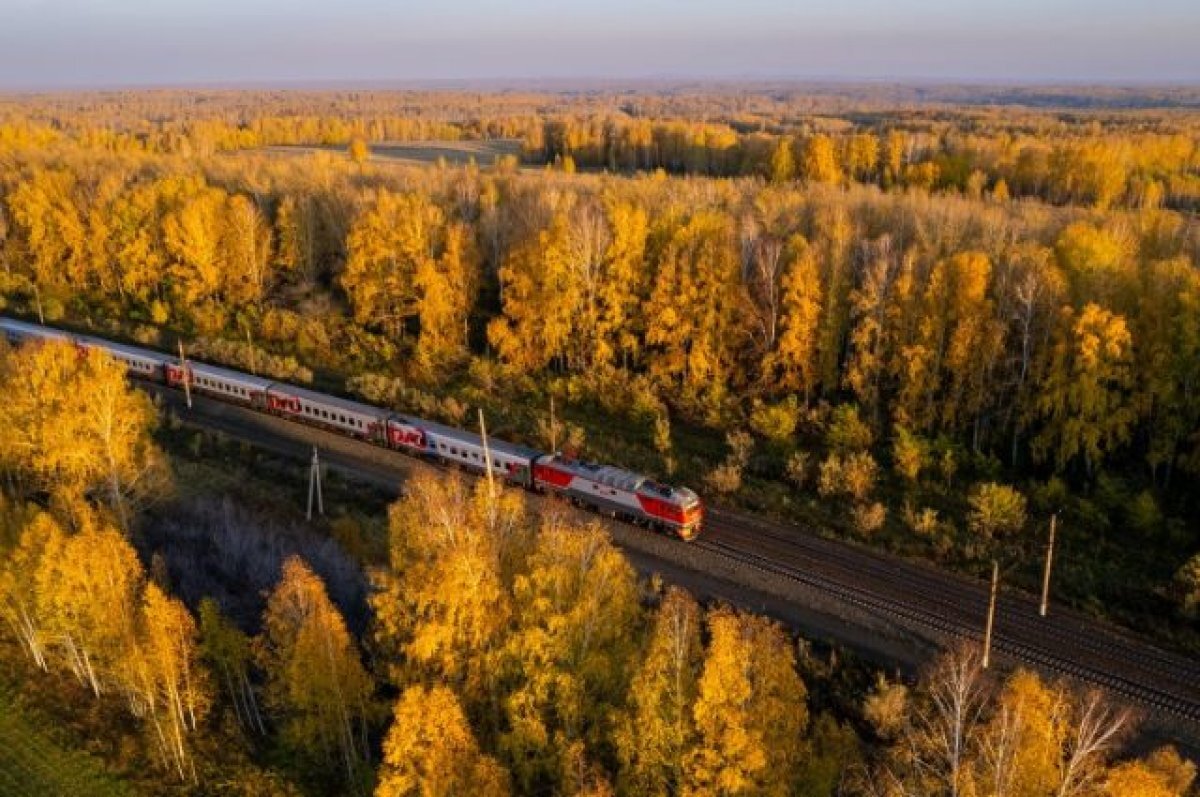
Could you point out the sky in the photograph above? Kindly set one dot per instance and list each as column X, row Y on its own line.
column 102, row 43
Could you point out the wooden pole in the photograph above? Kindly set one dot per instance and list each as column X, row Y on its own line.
column 487, row 457
column 314, row 485
column 185, row 375
column 991, row 615
column 1046, row 573
column 253, row 354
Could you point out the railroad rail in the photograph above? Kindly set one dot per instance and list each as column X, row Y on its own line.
column 952, row 607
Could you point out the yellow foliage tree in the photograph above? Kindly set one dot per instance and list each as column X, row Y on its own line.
column 247, row 252
column 695, row 311
column 406, row 262
column 316, row 682
column 1135, row 779
column 48, row 224
column 730, row 756
column 166, row 680
column 192, row 234
column 70, row 447
column 20, row 601
column 89, row 588
column 568, row 657
column 446, row 288
column 820, row 161
column 656, row 734
column 431, row 752
column 1084, row 403
column 542, row 295
column 1020, row 747
column 358, row 151
column 443, row 605
column 792, row 366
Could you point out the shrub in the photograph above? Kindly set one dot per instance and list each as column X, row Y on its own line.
column 1143, row 513
column 858, row 474
column 996, row 510
column 160, row 313
column 829, row 476
column 923, row 523
column 847, row 432
column 798, row 466
column 853, row 475
column 662, row 442
column 1051, row 496
column 886, row 708
column 869, row 518
column 724, row 479
column 727, row 477
column 740, row 445
column 776, row 422
column 1187, row 588
column 910, row 455
column 245, row 356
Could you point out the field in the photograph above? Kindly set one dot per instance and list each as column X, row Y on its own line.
column 31, row 762
column 456, row 153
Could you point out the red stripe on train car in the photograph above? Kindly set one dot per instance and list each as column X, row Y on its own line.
column 552, row 476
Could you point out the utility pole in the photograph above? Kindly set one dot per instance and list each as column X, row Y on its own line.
column 991, row 615
column 314, row 485
column 185, row 374
column 553, row 429
column 1046, row 572
column 487, row 458
column 250, row 347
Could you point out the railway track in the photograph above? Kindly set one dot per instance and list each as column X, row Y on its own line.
column 932, row 603
column 923, row 582
column 952, row 607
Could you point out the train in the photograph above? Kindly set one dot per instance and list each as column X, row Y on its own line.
column 605, row 489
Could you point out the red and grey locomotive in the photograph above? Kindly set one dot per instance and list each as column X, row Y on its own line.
column 603, row 488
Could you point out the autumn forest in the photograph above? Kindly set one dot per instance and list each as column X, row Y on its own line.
column 924, row 324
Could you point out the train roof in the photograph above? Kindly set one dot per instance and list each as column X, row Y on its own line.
column 26, row 328
column 470, row 438
column 345, row 405
column 121, row 348
column 622, row 479
column 229, row 375
column 609, row 475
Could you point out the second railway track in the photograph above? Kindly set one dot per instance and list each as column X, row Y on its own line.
column 953, row 607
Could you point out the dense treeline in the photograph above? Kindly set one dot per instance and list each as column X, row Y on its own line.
column 1100, row 157
column 935, row 314
column 520, row 655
